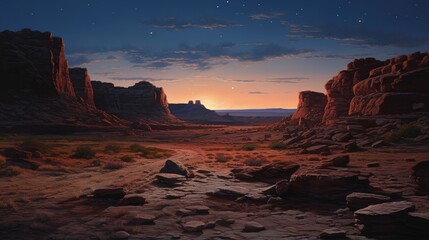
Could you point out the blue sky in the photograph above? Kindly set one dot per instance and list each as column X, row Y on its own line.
column 229, row 54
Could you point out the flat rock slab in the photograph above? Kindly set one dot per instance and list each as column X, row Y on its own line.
column 359, row 200
column 230, row 192
column 198, row 209
column 120, row 235
column 169, row 179
column 333, row 233
column 253, row 227
column 270, row 173
column 385, row 209
column 193, row 226
column 338, row 161
column 142, row 219
column 132, row 200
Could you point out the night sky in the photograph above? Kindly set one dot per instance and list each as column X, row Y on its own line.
column 229, row 54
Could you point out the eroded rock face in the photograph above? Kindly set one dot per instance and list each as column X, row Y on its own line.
column 143, row 100
column 340, row 88
column 310, row 109
column 33, row 62
column 82, row 84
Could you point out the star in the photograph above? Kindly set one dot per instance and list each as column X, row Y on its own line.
column 221, row 36
column 217, row 6
column 32, row 14
column 227, row 1
column 151, row 33
column 89, row 4
column 232, row 88
column 359, row 20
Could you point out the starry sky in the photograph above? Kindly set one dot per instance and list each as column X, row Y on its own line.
column 231, row 54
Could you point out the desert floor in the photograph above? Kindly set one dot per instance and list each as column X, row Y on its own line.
column 51, row 202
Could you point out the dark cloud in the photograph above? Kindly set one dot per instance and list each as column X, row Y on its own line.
column 266, row 16
column 85, row 58
column 257, row 92
column 272, row 80
column 103, row 73
column 177, row 24
column 205, row 56
column 357, row 35
column 141, row 79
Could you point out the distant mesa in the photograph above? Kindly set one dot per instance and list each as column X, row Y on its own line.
column 141, row 101
column 196, row 112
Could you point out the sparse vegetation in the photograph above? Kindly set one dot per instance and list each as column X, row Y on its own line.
column 222, row 158
column 249, row 146
column 113, row 166
column 127, row 158
column 150, row 152
column 405, row 131
column 256, row 161
column 9, row 172
column 84, row 153
column 112, row 148
column 278, row 145
column 33, row 144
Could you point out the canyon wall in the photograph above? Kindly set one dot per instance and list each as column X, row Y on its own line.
column 82, row 84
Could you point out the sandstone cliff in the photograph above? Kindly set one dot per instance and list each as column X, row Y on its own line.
column 310, row 109
column 82, row 84
column 36, row 91
column 32, row 61
column 141, row 101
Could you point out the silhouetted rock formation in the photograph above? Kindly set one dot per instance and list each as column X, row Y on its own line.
column 36, row 91
column 141, row 101
column 310, row 109
column 195, row 112
column 82, row 84
column 33, row 62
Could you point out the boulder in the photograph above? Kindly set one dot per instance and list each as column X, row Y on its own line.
column 384, row 219
column 253, row 227
column 132, row 200
column 421, row 175
column 193, row 226
column 176, row 167
column 326, row 184
column 358, row 200
column 270, row 173
column 338, row 161
column 229, row 192
column 333, row 233
column 169, row 179
column 142, row 219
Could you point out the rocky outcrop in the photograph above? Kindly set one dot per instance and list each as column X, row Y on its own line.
column 340, row 88
column 195, row 112
column 400, row 86
column 82, row 84
column 310, row 109
column 33, row 62
column 37, row 94
column 141, row 101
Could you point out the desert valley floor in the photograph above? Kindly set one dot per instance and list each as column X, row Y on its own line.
column 57, row 200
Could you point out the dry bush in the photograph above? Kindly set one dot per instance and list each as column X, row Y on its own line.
column 9, row 172
column 257, row 161
column 222, row 158
column 84, row 153
column 112, row 148
column 113, row 166
column 127, row 158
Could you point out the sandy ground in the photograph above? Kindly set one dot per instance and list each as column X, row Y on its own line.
column 50, row 203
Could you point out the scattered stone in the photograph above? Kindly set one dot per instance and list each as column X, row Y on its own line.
column 282, row 187
column 384, row 218
column 253, row 227
column 193, row 226
column 198, row 209
column 373, row 164
column 211, row 225
column 132, row 200
column 421, row 172
column 275, row 200
column 342, row 137
column 14, row 153
column 174, row 196
column 378, row 143
column 351, row 147
column 317, row 149
column 170, row 179
column 113, row 193
column 333, row 233
column 183, row 212
column 142, row 219
column 358, row 200
column 339, row 161
column 230, row 192
column 225, row 222
column 120, row 235
column 176, row 167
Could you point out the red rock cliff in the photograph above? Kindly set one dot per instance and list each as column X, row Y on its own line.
column 82, row 84
column 33, row 61
column 311, row 107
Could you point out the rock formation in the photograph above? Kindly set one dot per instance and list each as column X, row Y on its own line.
column 340, row 88
column 82, row 84
column 36, row 91
column 195, row 112
column 33, row 62
column 311, row 107
column 141, row 101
